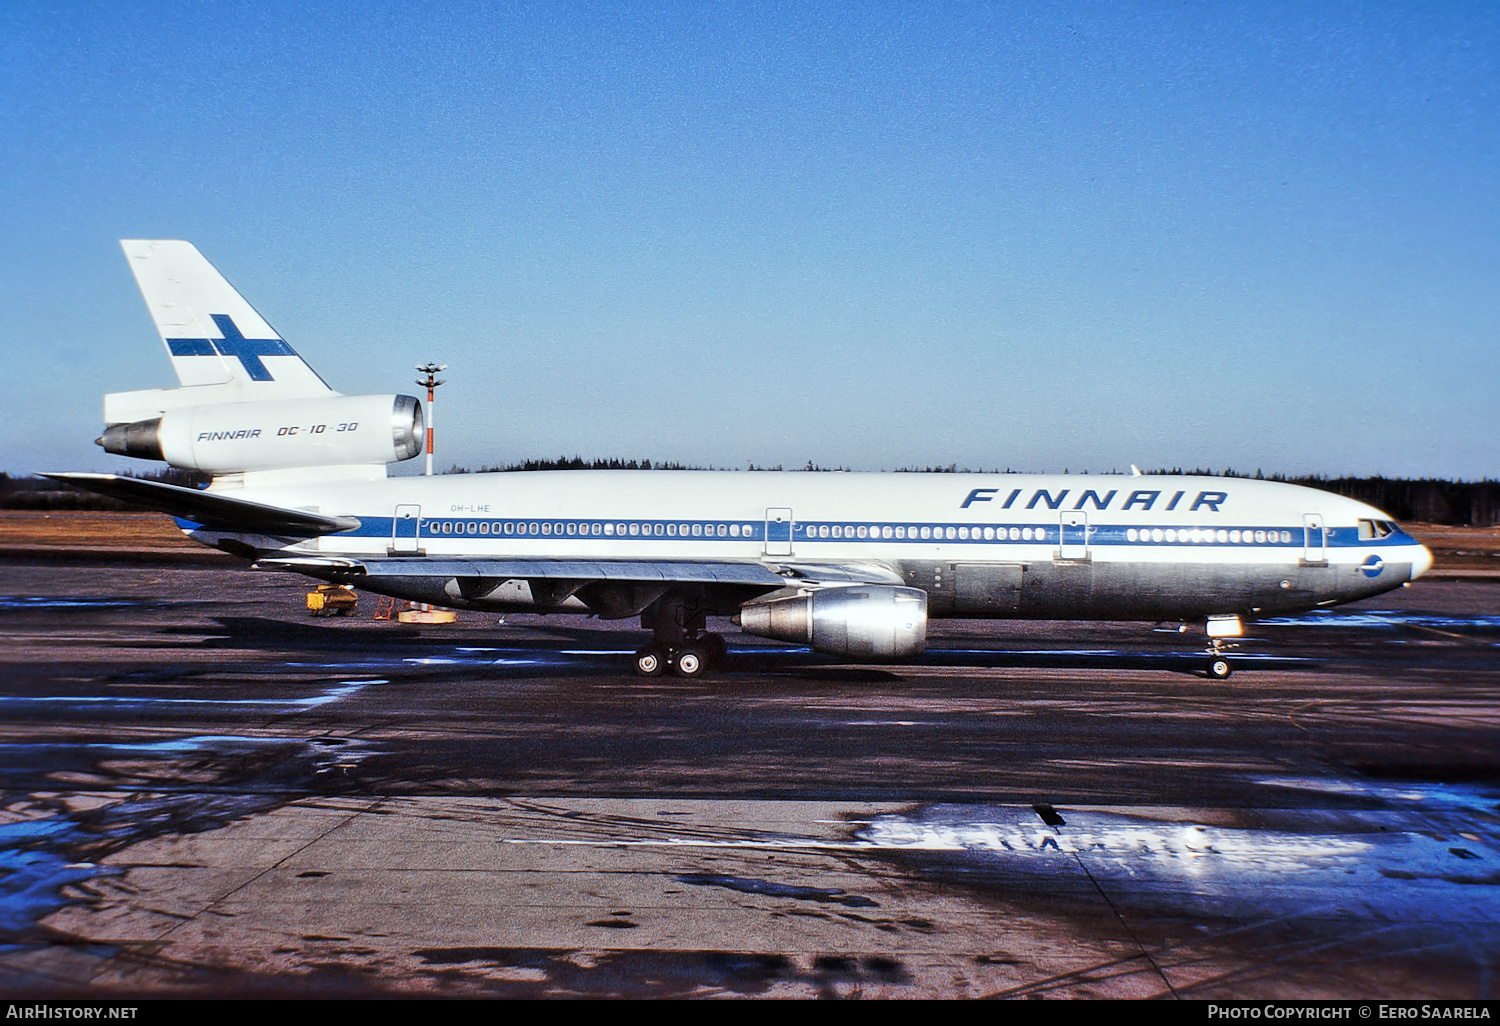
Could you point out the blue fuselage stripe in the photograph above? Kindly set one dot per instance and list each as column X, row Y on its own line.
column 592, row 529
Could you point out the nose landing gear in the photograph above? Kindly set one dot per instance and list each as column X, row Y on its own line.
column 1220, row 628
column 1218, row 665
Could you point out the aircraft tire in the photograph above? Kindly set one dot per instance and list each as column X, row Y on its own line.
column 650, row 662
column 1219, row 668
column 690, row 662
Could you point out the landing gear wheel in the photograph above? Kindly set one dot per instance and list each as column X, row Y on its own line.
column 650, row 661
column 690, row 662
column 1219, row 668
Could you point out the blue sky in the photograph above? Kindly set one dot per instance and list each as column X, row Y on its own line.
column 870, row 235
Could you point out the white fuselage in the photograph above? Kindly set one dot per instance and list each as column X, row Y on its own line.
column 1152, row 545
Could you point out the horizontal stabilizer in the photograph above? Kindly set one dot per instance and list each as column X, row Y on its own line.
column 208, row 508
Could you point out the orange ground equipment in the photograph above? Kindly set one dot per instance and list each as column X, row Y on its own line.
column 332, row 600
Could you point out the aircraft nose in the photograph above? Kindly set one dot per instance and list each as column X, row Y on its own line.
column 1421, row 561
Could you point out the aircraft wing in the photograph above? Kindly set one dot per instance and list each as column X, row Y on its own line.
column 208, row 508
column 836, row 574
column 670, row 571
column 661, row 571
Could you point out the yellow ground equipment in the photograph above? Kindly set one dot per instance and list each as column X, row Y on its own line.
column 332, row 600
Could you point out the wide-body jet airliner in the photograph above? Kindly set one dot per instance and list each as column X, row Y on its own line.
column 852, row 565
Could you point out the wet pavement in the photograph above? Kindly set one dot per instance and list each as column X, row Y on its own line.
column 205, row 792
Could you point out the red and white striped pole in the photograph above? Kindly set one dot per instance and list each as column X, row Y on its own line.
column 431, row 382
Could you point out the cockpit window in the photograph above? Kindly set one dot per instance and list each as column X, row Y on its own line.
column 1373, row 530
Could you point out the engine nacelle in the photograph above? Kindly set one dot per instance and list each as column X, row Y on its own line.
column 868, row 622
column 228, row 438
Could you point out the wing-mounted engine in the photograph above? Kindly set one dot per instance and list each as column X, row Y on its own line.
column 228, row 438
column 873, row 622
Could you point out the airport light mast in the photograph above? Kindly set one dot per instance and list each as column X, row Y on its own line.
column 432, row 382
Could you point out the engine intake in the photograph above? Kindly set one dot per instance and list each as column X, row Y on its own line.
column 866, row 622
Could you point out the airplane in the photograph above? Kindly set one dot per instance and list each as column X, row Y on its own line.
column 850, row 565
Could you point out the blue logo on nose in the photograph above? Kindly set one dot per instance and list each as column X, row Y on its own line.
column 1372, row 566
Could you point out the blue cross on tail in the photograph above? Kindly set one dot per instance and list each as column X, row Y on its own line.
column 247, row 350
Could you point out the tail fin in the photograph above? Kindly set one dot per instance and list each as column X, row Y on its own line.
column 212, row 335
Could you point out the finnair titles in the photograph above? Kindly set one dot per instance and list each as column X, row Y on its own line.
column 1145, row 499
column 852, row 565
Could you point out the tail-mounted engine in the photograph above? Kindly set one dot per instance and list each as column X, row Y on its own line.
column 227, row 438
column 873, row 622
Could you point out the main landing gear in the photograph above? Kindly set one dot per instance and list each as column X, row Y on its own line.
column 692, row 658
column 680, row 643
column 1219, row 629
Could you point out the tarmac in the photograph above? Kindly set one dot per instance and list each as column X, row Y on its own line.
column 207, row 793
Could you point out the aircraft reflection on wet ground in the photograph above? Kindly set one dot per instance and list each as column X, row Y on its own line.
column 201, row 794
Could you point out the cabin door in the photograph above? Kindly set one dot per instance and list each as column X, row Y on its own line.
column 1075, row 535
column 404, row 527
column 1312, row 547
column 778, row 532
